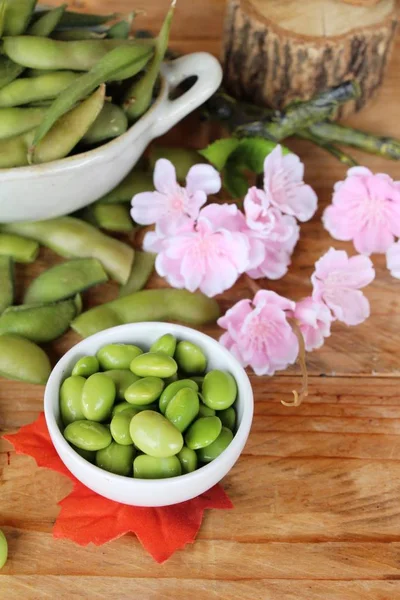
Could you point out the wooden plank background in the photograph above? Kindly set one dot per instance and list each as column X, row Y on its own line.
column 317, row 490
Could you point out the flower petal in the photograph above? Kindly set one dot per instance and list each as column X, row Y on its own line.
column 203, row 178
column 164, row 176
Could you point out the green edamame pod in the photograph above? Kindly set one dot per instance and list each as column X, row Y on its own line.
column 15, row 121
column 142, row 269
column 65, row 280
column 116, row 459
column 135, row 182
column 17, row 17
column 9, row 71
column 74, row 35
column 3, row 549
column 23, row 360
column 182, row 159
column 132, row 56
column 148, row 305
column 70, row 237
column 47, row 22
column 86, row 366
column 71, row 399
column 75, row 19
column 3, row 8
column 110, row 123
column 35, row 89
column 38, row 323
column 112, row 217
column 138, row 98
column 6, row 282
column 122, row 29
column 150, row 467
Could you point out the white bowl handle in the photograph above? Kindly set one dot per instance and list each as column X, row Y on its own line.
column 209, row 77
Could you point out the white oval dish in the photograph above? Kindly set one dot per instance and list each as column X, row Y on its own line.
column 61, row 187
column 149, row 492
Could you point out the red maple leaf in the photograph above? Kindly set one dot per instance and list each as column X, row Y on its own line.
column 86, row 517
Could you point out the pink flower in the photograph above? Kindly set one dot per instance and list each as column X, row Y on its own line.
column 366, row 209
column 393, row 260
column 170, row 203
column 337, row 280
column 207, row 256
column 314, row 319
column 258, row 333
column 284, row 185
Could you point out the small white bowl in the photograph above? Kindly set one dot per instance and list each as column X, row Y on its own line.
column 63, row 186
column 149, row 492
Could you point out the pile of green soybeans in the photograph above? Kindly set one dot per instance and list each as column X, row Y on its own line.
column 68, row 82
column 150, row 415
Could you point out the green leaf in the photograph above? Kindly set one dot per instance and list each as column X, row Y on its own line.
column 235, row 182
column 251, row 153
column 219, row 152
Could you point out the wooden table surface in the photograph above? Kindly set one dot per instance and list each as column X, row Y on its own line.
column 317, row 489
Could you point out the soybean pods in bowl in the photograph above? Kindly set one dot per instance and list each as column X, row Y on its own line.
column 170, row 461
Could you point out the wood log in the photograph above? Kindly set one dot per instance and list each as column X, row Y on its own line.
column 278, row 52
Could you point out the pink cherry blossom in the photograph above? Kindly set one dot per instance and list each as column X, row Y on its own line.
column 337, row 280
column 393, row 260
column 170, row 203
column 284, row 185
column 366, row 209
column 258, row 333
column 314, row 319
column 208, row 257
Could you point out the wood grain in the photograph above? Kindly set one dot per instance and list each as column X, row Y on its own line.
column 317, row 489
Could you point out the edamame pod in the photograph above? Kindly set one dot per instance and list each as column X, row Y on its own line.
column 98, row 397
column 144, row 391
column 183, row 408
column 71, row 399
column 172, row 389
column 9, row 70
column 75, row 19
column 138, row 98
column 65, row 280
column 132, row 56
column 219, row 390
column 148, row 305
column 17, row 16
column 110, row 123
column 116, row 459
column 122, row 378
column 6, row 282
column 112, row 217
column 70, row 237
column 117, row 356
column 16, row 121
column 47, row 22
column 3, row 549
column 182, row 159
column 38, row 323
column 88, row 435
column 22, row 360
column 35, row 89
column 154, row 435
column 166, row 344
column 122, row 29
column 142, row 269
column 149, row 467
column 86, row 366
column 212, row 451
column 74, row 35
column 135, row 182
column 188, row 459
column 190, row 358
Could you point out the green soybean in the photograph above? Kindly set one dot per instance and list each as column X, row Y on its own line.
column 198, row 379
column 135, row 182
column 150, row 467
column 172, row 389
column 98, row 397
column 142, row 269
column 71, row 399
column 139, row 96
column 88, row 455
column 166, row 344
column 18, row 248
column 205, row 411
column 190, row 358
column 183, row 408
column 219, row 390
column 6, row 282
column 122, row 378
column 135, row 57
column 17, row 16
column 70, row 238
column 119, row 427
column 112, row 217
column 118, row 408
column 86, row 366
column 38, row 323
column 211, row 452
column 16, row 121
column 3, row 549
column 144, row 391
column 154, row 364
column 22, row 360
column 154, row 435
column 88, row 435
column 203, row 432
column 35, row 89
column 228, row 417
column 116, row 459
column 188, row 459
column 183, row 159
column 110, row 123
column 65, row 280
column 47, row 22
column 117, row 356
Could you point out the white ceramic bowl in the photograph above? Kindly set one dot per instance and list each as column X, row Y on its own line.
column 58, row 188
column 150, row 492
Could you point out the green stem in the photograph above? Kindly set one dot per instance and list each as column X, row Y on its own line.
column 344, row 158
